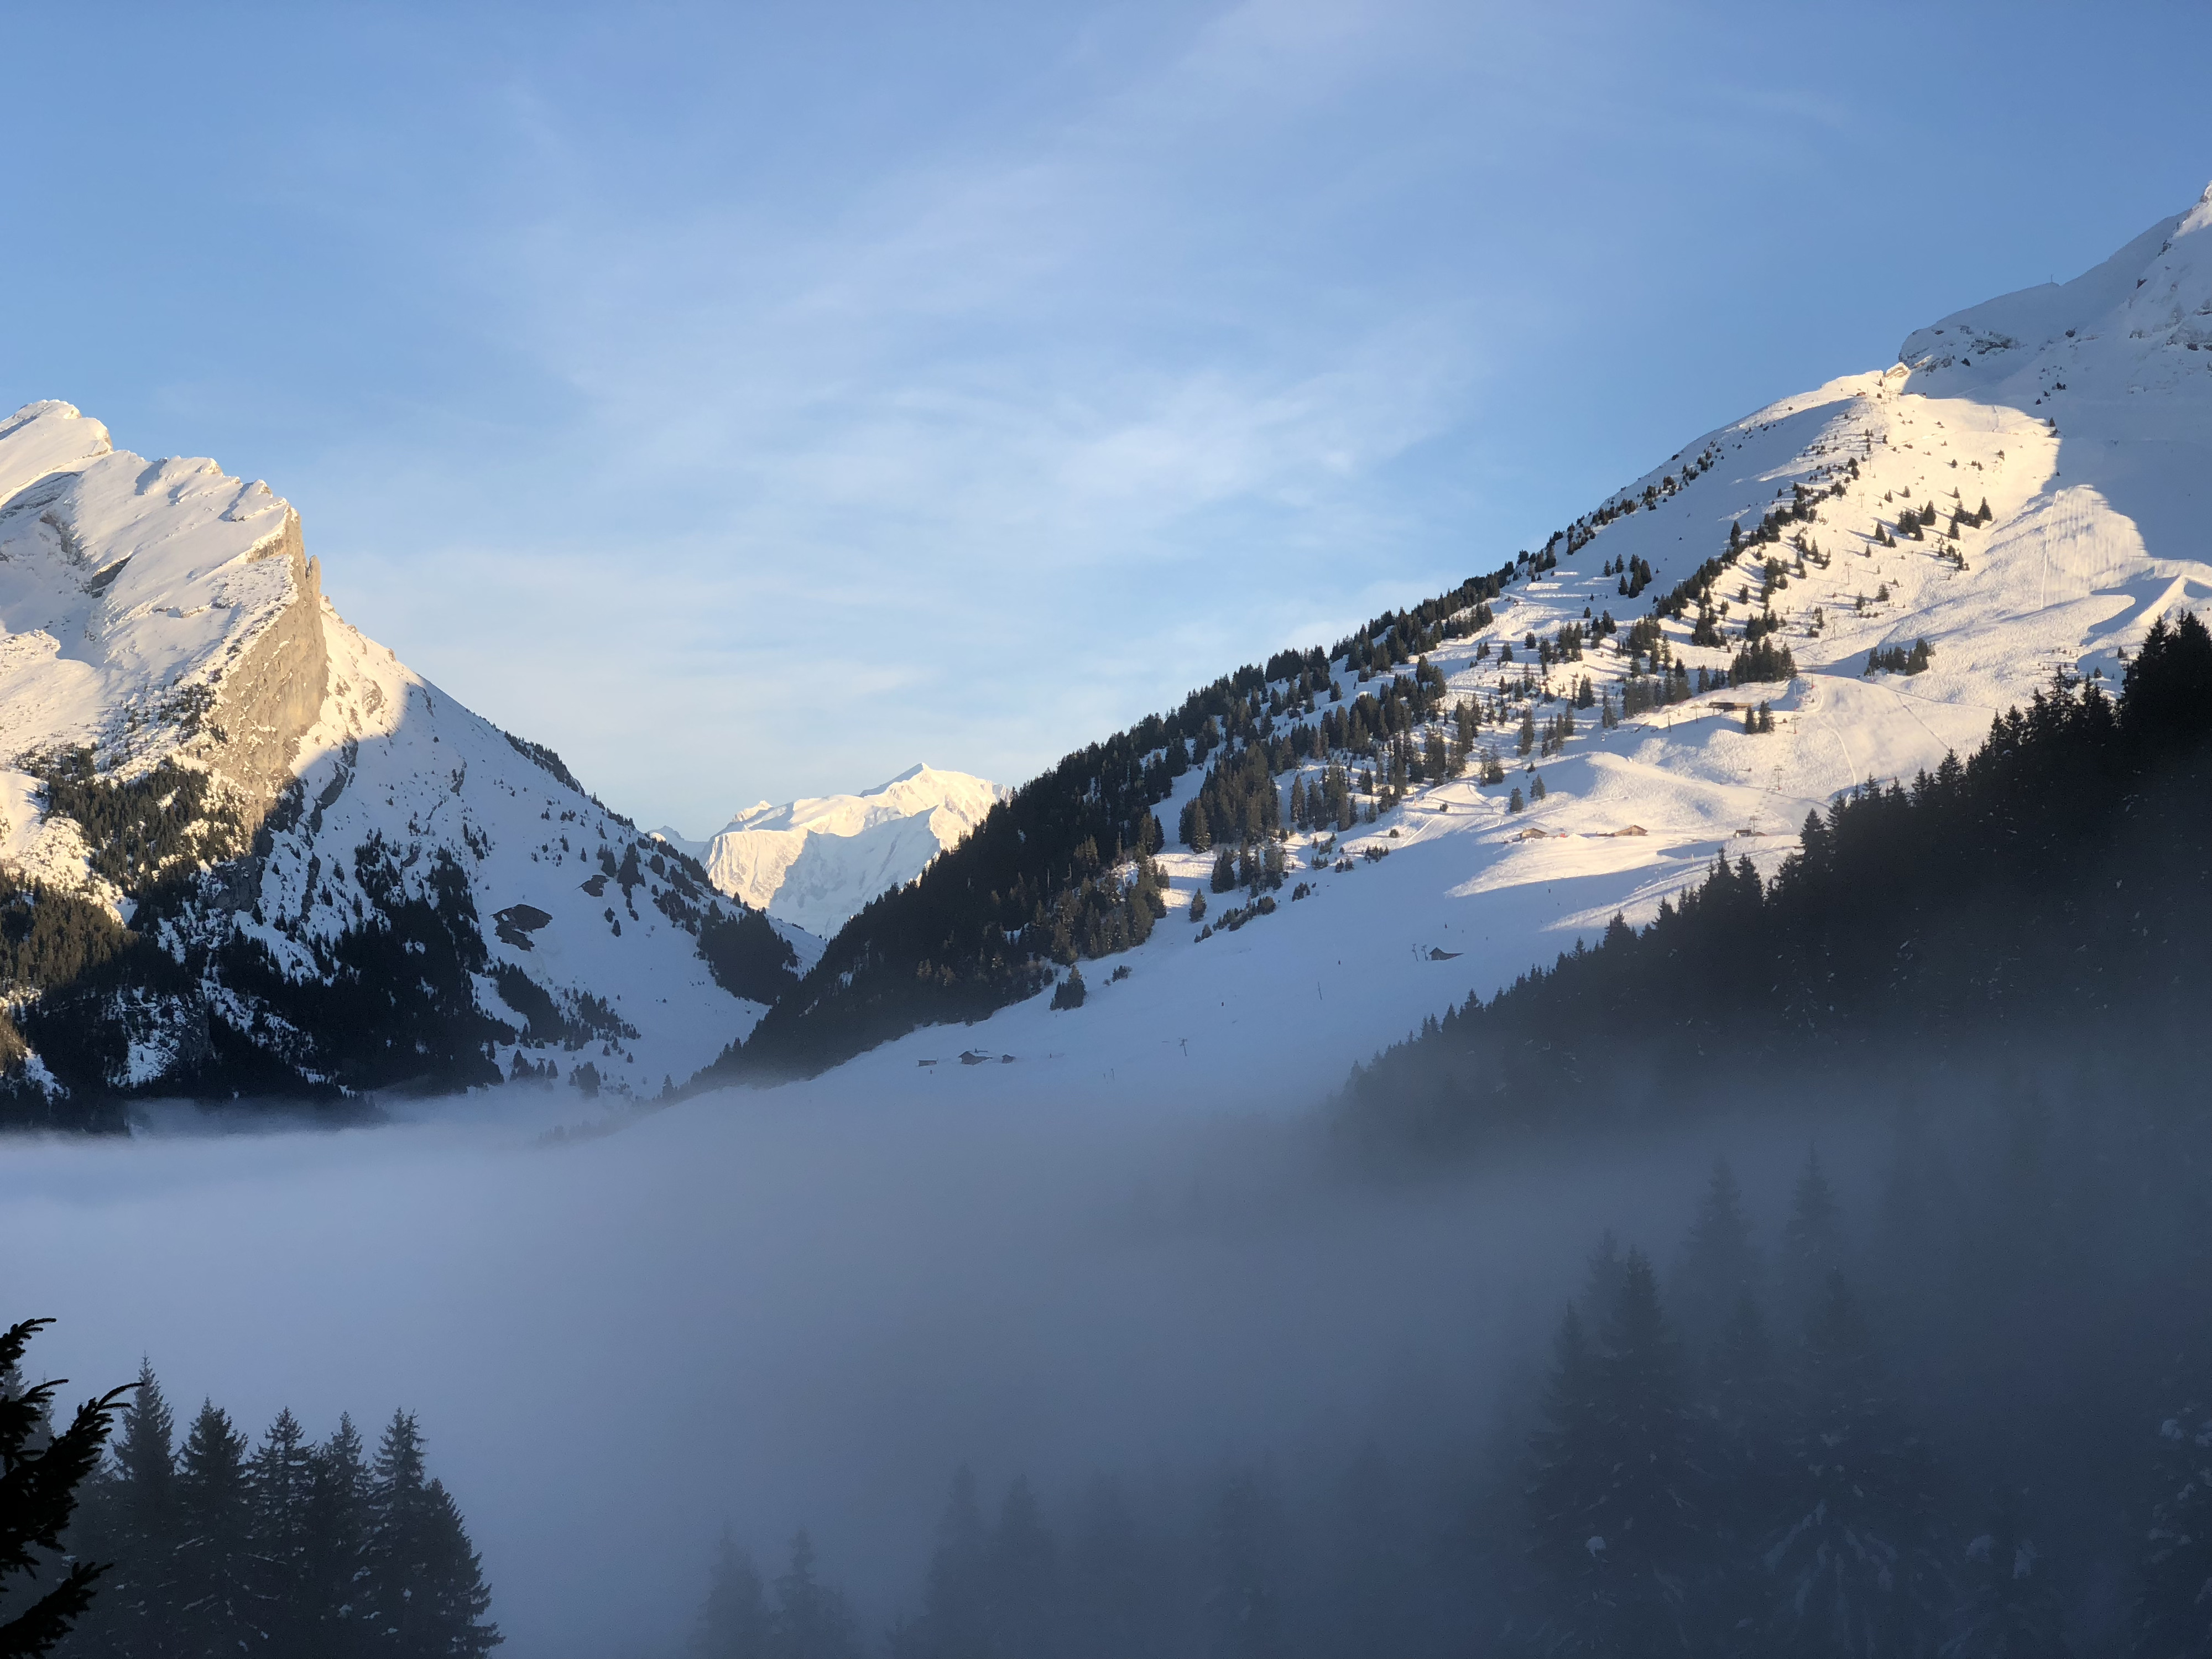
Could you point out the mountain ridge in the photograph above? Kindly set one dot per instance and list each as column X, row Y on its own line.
column 1730, row 609
column 816, row 861
column 249, row 853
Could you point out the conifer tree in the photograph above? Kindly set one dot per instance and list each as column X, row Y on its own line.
column 132, row 1523
column 1812, row 1240
column 1743, row 1453
column 1025, row 1578
column 334, row 1564
column 955, row 1618
column 1853, row 1564
column 41, row 1476
column 810, row 1619
column 281, row 1479
column 733, row 1620
column 1651, row 1510
column 1613, row 1508
column 1718, row 1266
column 423, row 1584
column 1113, row 1580
column 218, row 1611
column 1224, row 870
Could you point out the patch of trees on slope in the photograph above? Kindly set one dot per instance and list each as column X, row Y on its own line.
column 2059, row 877
column 1055, row 871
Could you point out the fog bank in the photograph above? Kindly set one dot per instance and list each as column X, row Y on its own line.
column 786, row 1309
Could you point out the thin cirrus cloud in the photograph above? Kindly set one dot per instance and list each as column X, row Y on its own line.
column 750, row 402
column 1001, row 399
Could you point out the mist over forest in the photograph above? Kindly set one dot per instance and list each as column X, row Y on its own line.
column 817, row 1326
column 1681, row 1135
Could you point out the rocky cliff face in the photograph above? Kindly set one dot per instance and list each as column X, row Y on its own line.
column 246, row 852
column 267, row 703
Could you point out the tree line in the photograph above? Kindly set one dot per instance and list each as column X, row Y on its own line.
column 1963, row 1417
column 215, row 1547
column 1924, row 912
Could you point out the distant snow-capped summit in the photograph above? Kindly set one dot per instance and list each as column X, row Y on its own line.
column 814, row 863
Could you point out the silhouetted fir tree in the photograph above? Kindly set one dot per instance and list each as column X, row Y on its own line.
column 1717, row 1266
column 1224, row 870
column 2011, row 1608
column 810, row 1619
column 955, row 1615
column 1650, row 1516
column 1116, row 1599
column 1025, row 1578
column 1615, row 1522
column 215, row 1605
column 1854, row 1566
column 42, row 1473
column 334, row 1562
column 281, row 1479
column 733, row 1620
column 1812, row 1241
column 2173, row 1600
column 1741, row 1447
column 1603, row 1275
column 131, row 1522
column 423, row 1585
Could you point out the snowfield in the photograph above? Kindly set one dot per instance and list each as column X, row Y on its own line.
column 163, row 612
column 2059, row 442
column 815, row 863
column 2080, row 412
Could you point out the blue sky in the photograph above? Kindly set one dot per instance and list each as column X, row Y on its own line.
column 749, row 401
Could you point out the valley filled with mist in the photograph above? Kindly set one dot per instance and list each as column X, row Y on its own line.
column 1645, row 1096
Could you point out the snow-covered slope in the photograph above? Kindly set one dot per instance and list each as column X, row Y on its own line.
column 2081, row 413
column 814, row 863
column 195, row 743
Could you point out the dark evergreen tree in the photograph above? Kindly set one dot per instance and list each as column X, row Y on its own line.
column 733, row 1620
column 281, row 1479
column 41, row 1476
column 334, row 1562
column 810, row 1619
column 1719, row 1264
column 1025, row 1578
column 1854, row 1566
column 1812, row 1241
column 1616, row 1527
column 956, row 1617
column 217, row 1611
column 1114, row 1581
column 132, row 1521
column 1742, row 1447
column 423, row 1584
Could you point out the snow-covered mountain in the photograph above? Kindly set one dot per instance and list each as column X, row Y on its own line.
column 2026, row 490
column 246, row 850
column 814, row 863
